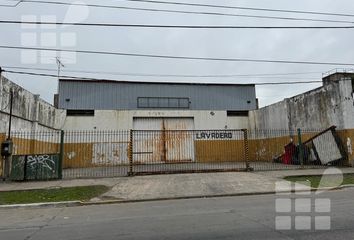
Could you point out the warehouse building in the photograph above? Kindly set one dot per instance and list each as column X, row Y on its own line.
column 123, row 105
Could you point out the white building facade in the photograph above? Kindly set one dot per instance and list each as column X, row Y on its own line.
column 110, row 105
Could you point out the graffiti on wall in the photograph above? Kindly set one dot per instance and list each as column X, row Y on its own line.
column 35, row 167
column 110, row 153
column 45, row 162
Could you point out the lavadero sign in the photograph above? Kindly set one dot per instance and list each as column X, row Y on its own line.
column 207, row 135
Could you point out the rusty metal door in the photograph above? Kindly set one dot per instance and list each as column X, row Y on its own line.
column 147, row 140
column 179, row 139
column 163, row 140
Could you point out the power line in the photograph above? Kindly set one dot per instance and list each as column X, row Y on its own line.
column 172, row 26
column 178, row 57
column 218, row 6
column 259, row 75
column 187, row 12
column 96, row 79
column 243, row 8
column 15, row 5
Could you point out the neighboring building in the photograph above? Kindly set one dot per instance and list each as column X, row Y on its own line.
column 337, row 74
column 320, row 108
column 30, row 113
column 110, row 105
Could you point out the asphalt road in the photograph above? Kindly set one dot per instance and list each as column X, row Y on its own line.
column 246, row 217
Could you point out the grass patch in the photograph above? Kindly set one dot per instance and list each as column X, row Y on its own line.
column 52, row 195
column 323, row 180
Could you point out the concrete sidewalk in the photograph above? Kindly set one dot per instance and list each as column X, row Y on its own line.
column 141, row 188
column 189, row 185
column 205, row 184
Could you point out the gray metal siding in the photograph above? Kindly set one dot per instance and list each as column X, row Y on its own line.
column 123, row 96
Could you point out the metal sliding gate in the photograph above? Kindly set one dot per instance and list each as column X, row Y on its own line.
column 183, row 151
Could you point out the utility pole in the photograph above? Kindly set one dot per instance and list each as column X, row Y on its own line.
column 2, row 157
column 0, row 84
column 60, row 65
column 8, row 144
column 10, row 116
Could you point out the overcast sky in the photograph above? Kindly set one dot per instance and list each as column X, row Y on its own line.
column 329, row 45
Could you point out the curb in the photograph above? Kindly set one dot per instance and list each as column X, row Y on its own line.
column 106, row 202
column 203, row 196
column 43, row 205
column 173, row 198
column 348, row 186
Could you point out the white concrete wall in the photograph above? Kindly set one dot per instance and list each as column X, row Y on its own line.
column 320, row 108
column 30, row 113
column 347, row 104
column 123, row 120
column 317, row 109
column 274, row 116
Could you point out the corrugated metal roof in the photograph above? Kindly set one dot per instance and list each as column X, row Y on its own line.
column 123, row 95
column 152, row 82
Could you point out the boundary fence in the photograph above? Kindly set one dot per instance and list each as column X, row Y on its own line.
column 94, row 154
